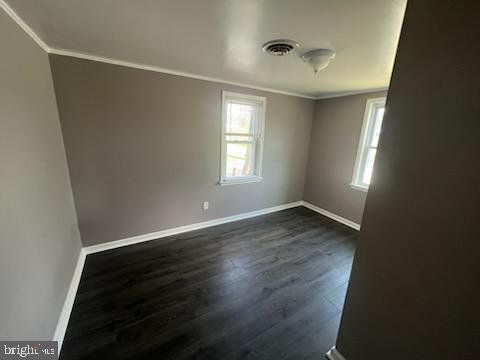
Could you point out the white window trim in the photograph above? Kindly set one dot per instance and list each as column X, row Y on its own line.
column 361, row 153
column 224, row 180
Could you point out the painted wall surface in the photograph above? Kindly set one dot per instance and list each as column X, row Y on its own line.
column 144, row 149
column 414, row 291
column 39, row 237
column 336, row 130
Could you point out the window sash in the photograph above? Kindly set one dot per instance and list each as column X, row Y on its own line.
column 250, row 157
column 367, row 143
column 253, row 137
column 250, row 160
column 254, row 128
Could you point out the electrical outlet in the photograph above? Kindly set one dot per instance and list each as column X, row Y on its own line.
column 205, row 205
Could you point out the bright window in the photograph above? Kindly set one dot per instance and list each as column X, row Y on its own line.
column 243, row 119
column 367, row 147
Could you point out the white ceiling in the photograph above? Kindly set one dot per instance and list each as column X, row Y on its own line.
column 222, row 39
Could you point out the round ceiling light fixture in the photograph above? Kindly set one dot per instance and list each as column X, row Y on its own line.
column 280, row 47
column 318, row 59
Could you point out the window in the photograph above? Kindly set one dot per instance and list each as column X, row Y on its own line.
column 242, row 138
column 367, row 147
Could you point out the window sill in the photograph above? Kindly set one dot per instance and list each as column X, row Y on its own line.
column 359, row 187
column 247, row 180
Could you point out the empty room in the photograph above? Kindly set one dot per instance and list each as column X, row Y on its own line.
column 239, row 179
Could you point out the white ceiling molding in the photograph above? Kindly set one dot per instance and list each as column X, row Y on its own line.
column 50, row 50
column 85, row 56
column 169, row 71
column 79, row 55
column 24, row 26
column 350, row 93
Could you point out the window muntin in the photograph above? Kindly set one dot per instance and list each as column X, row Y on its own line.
column 367, row 148
column 242, row 138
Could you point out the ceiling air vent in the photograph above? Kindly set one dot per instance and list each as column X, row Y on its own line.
column 280, row 47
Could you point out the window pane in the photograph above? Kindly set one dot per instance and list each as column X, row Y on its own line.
column 239, row 160
column 241, row 118
column 377, row 126
column 368, row 168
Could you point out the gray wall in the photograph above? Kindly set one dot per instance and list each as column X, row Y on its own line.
column 39, row 238
column 143, row 149
column 334, row 141
column 414, row 290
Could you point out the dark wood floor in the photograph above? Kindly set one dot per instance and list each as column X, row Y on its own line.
column 271, row 287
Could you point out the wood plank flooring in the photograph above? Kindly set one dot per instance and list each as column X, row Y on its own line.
column 270, row 287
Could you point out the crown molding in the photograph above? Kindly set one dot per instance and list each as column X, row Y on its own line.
column 86, row 56
column 106, row 60
column 13, row 15
column 350, row 93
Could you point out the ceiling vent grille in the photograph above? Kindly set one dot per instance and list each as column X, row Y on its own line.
column 280, row 47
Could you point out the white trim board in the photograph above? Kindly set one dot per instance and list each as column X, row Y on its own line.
column 85, row 56
column 69, row 300
column 64, row 317
column 72, row 291
column 201, row 225
column 334, row 354
column 80, row 55
column 13, row 15
column 182, row 229
column 350, row 93
column 331, row 215
column 158, row 69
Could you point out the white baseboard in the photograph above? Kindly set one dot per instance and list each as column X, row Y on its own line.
column 72, row 291
column 333, row 354
column 181, row 229
column 333, row 216
column 69, row 300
